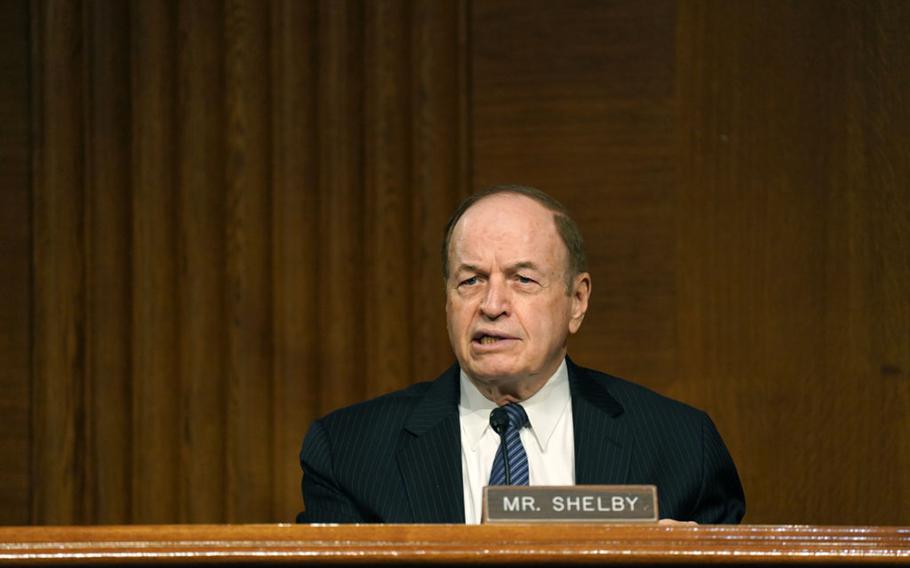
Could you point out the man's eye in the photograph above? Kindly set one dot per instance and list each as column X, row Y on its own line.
column 524, row 279
column 469, row 282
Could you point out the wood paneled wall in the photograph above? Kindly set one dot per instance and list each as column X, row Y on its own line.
column 794, row 251
column 15, row 274
column 236, row 211
column 739, row 170
column 220, row 219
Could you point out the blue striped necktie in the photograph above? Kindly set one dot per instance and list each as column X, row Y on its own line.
column 518, row 459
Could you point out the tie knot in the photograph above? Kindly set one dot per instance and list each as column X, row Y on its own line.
column 518, row 418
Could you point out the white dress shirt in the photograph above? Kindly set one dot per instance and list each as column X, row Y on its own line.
column 549, row 441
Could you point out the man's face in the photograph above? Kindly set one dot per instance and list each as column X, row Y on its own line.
column 508, row 312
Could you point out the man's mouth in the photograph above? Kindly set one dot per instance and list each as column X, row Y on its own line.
column 486, row 339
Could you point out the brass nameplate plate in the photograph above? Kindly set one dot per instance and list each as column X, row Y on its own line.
column 570, row 504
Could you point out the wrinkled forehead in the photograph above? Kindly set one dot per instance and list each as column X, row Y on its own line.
column 511, row 227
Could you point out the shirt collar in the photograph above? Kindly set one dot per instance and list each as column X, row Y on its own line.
column 544, row 409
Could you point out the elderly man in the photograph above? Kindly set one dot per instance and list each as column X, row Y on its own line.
column 516, row 289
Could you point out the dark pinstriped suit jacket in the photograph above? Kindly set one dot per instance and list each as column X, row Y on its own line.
column 397, row 458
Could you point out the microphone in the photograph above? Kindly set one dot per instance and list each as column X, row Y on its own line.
column 499, row 421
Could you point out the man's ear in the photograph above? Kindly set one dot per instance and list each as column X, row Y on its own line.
column 581, row 293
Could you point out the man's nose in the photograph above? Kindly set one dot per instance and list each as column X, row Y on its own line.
column 496, row 300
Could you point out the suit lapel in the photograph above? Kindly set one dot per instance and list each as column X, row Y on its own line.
column 429, row 457
column 603, row 444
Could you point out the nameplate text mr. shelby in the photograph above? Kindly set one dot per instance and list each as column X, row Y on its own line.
column 575, row 503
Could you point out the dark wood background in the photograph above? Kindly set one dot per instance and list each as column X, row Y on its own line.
column 221, row 219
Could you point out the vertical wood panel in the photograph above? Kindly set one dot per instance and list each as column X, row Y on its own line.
column 440, row 173
column 217, row 219
column 248, row 262
column 201, row 289
column 295, row 214
column 387, row 159
column 108, row 277
column 15, row 256
column 341, row 228
column 58, row 413
column 879, row 107
column 577, row 99
column 156, row 382
column 785, row 179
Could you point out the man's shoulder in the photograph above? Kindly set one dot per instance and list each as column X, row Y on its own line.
column 395, row 400
column 389, row 409
column 635, row 399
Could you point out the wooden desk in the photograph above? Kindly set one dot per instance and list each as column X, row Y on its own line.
column 454, row 544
